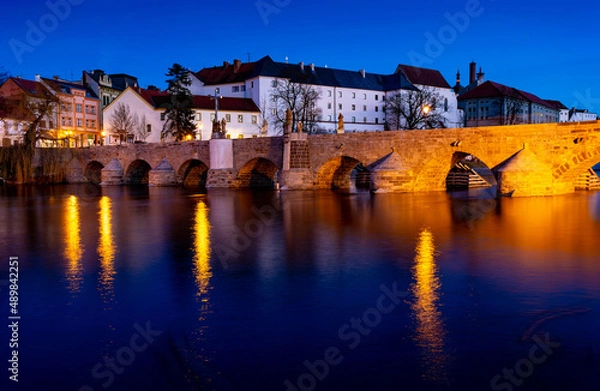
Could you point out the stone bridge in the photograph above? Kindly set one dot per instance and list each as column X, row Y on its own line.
column 541, row 159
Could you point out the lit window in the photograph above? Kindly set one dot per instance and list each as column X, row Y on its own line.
column 240, row 135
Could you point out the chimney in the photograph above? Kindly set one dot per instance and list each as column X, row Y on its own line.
column 472, row 71
column 55, row 77
column 480, row 76
column 37, row 77
column 236, row 65
column 301, row 63
column 458, row 76
column 225, row 64
column 312, row 67
column 362, row 73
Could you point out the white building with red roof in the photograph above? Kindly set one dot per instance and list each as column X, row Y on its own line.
column 356, row 94
column 147, row 106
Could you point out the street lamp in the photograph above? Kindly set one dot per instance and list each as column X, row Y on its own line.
column 426, row 109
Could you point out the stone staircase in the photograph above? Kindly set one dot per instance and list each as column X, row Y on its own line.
column 588, row 181
column 464, row 177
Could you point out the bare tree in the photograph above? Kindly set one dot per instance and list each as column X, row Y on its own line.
column 419, row 109
column 4, row 75
column 301, row 99
column 142, row 128
column 512, row 109
column 37, row 113
column 123, row 122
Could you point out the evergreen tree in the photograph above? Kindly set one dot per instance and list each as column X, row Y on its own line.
column 179, row 114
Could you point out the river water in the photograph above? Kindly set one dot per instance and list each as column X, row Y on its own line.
column 136, row 288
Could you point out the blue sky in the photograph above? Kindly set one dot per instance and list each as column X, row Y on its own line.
column 545, row 48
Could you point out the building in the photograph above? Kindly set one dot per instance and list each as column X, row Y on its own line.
column 492, row 103
column 147, row 106
column 580, row 115
column 563, row 111
column 358, row 96
column 21, row 99
column 78, row 115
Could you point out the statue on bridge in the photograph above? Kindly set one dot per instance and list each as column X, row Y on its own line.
column 340, row 127
column 219, row 129
column 287, row 127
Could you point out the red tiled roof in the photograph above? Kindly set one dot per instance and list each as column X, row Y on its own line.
column 423, row 76
column 208, row 103
column 490, row 89
column 557, row 104
column 147, row 95
column 226, row 74
column 30, row 87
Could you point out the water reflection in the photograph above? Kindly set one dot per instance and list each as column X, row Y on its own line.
column 430, row 332
column 72, row 241
column 202, row 268
column 106, row 250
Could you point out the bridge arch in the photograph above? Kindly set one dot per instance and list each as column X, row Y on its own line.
column 342, row 172
column 93, row 172
column 137, row 172
column 193, row 172
column 577, row 164
column 258, row 173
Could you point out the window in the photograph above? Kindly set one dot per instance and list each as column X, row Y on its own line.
column 70, row 120
column 273, row 98
column 148, row 128
column 228, row 117
column 162, row 116
column 87, row 123
column 63, row 121
column 354, row 95
column 92, row 124
column 198, row 116
column 353, row 119
column 228, row 135
column 376, row 109
column 446, row 104
column 93, row 109
column 274, row 83
column 353, row 107
column 79, row 123
column 365, row 120
column 376, row 97
column 329, row 105
column 251, row 84
column 340, row 94
column 376, row 120
column 51, row 125
column 328, row 118
column 274, row 111
column 364, row 96
column 240, row 118
column 339, row 106
column 78, row 107
column 242, row 88
column 254, row 119
column 240, row 135
column 212, row 117
column 87, row 109
column 364, row 107
column 235, row 89
column 328, row 92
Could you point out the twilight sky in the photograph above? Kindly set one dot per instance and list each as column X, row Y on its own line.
column 549, row 49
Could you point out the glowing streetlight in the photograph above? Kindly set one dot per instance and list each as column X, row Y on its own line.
column 426, row 109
